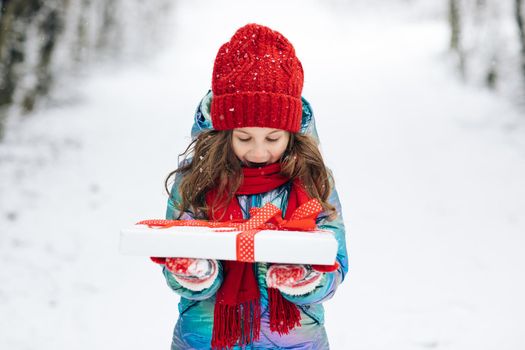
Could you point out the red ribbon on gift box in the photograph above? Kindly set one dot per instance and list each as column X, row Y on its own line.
column 268, row 217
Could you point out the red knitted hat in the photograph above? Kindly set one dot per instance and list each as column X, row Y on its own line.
column 257, row 81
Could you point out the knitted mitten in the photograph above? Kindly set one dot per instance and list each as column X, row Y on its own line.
column 293, row 279
column 193, row 274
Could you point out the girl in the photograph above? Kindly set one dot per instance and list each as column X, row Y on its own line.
column 254, row 142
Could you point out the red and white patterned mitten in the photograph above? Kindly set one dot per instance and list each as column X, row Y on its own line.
column 293, row 279
column 193, row 274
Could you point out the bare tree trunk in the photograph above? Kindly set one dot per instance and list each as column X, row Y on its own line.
column 519, row 15
column 454, row 19
column 491, row 77
column 521, row 30
column 16, row 15
column 521, row 25
column 51, row 28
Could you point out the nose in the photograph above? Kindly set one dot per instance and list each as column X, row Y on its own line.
column 258, row 154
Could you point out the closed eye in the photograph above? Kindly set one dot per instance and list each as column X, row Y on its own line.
column 244, row 140
column 272, row 140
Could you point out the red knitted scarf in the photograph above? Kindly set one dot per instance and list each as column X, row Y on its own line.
column 237, row 308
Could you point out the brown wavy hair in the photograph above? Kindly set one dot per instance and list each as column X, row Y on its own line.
column 209, row 161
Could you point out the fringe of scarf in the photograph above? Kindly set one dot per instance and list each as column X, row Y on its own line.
column 284, row 315
column 236, row 324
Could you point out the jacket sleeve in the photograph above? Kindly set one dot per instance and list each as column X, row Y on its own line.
column 172, row 213
column 330, row 280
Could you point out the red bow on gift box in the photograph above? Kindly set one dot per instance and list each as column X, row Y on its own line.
column 268, row 217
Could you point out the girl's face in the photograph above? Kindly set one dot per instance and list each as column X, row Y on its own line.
column 257, row 147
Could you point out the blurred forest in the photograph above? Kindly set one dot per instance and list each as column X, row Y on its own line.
column 487, row 37
column 42, row 42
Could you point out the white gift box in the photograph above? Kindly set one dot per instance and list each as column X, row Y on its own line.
column 288, row 247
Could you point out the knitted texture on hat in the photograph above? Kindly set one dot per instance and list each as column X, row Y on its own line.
column 257, row 81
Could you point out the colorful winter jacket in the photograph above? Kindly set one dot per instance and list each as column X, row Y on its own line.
column 194, row 326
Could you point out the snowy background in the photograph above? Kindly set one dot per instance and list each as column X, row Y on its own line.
column 430, row 171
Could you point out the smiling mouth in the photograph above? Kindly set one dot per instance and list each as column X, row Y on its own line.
column 255, row 165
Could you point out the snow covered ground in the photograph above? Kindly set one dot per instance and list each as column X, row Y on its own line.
column 431, row 175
